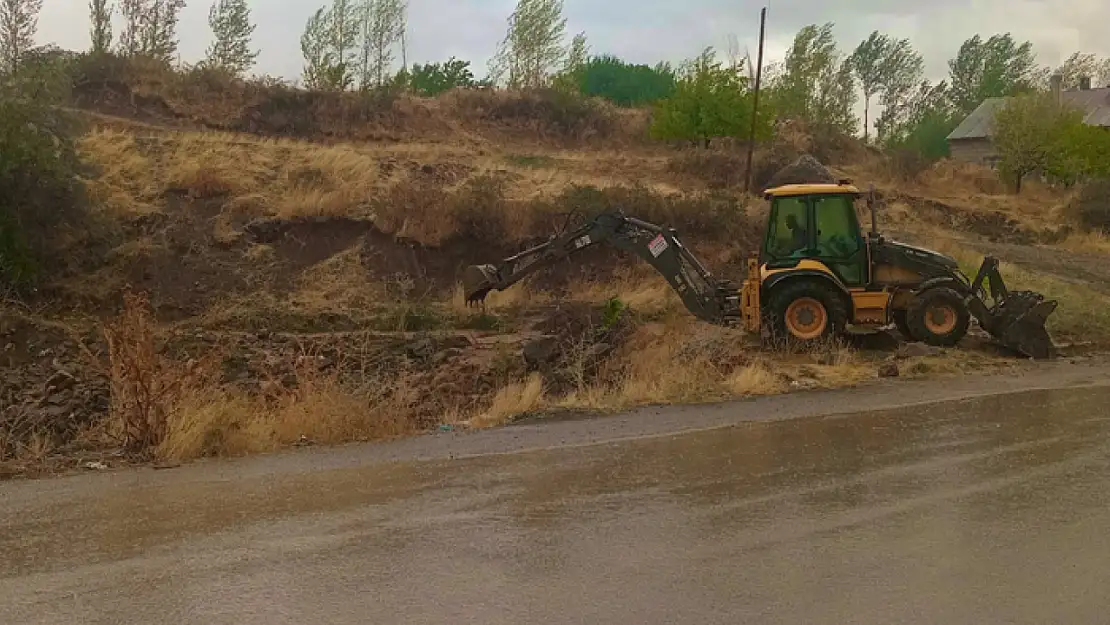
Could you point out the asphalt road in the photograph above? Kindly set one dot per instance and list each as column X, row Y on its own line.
column 984, row 510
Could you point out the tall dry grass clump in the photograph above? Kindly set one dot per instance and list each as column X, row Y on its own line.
column 147, row 387
column 317, row 407
column 163, row 408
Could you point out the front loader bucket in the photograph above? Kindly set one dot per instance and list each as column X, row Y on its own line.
column 1019, row 324
column 1022, row 325
column 477, row 282
column 1017, row 319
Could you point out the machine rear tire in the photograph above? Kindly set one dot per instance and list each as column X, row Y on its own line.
column 805, row 311
column 938, row 317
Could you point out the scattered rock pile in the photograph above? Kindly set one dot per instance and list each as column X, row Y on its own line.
column 802, row 171
column 55, row 396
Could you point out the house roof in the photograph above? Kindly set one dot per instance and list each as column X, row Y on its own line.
column 1095, row 103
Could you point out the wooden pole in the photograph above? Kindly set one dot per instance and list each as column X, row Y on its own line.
column 755, row 103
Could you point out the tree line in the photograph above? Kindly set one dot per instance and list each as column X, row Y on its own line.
column 361, row 44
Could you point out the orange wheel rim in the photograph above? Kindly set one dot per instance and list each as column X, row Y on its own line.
column 806, row 318
column 940, row 319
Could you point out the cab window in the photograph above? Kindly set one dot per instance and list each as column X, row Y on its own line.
column 837, row 229
column 789, row 235
column 838, row 238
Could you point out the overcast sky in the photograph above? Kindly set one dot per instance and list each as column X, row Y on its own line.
column 653, row 30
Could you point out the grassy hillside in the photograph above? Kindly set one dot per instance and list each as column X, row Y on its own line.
column 265, row 267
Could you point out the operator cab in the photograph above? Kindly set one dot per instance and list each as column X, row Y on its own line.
column 816, row 222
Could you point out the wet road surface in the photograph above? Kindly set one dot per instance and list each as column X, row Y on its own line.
column 981, row 511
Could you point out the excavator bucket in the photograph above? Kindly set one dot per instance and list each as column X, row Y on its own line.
column 1017, row 318
column 478, row 281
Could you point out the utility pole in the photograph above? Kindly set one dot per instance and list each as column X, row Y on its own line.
column 755, row 103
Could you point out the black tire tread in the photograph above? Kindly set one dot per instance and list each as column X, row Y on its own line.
column 915, row 317
column 782, row 295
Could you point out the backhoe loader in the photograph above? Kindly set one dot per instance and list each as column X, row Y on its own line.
column 816, row 274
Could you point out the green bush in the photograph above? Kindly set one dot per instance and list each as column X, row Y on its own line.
column 625, row 84
column 711, row 101
column 39, row 191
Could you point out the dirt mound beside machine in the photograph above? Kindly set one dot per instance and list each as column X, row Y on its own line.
column 816, row 274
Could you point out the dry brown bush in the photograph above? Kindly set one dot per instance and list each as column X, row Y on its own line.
column 168, row 409
column 948, row 175
column 1091, row 207
column 719, row 169
column 548, row 112
column 716, row 216
column 147, row 386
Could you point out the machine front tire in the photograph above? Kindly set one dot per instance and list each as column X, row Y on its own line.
column 805, row 311
column 938, row 317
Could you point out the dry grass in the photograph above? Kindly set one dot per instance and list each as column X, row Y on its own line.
column 286, row 178
column 318, row 409
column 512, row 401
column 680, row 361
column 338, row 285
column 1098, row 242
column 641, row 289
column 175, row 410
column 125, row 184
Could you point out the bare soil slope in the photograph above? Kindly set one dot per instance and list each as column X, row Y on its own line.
column 298, row 258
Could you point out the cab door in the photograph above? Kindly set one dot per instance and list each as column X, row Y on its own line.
column 837, row 238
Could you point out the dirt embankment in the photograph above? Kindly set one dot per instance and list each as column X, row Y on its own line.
column 302, row 292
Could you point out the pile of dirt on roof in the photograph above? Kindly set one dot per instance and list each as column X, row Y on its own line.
column 805, row 170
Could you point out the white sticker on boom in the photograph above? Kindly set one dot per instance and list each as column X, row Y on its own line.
column 582, row 241
column 657, row 245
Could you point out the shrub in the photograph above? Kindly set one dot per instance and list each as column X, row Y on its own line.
column 717, row 168
column 708, row 215
column 1092, row 206
column 39, row 193
column 548, row 111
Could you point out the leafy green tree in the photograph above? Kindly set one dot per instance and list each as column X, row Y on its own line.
column 231, row 25
column 130, row 39
column 1082, row 64
column 18, row 24
column 100, row 16
column 710, row 101
column 815, row 82
column 433, row 79
column 867, row 64
column 888, row 67
column 533, row 46
column 1081, row 151
column 383, row 25
column 329, row 45
column 625, row 84
column 996, row 67
column 150, row 28
column 1027, row 132
column 577, row 54
column 921, row 123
